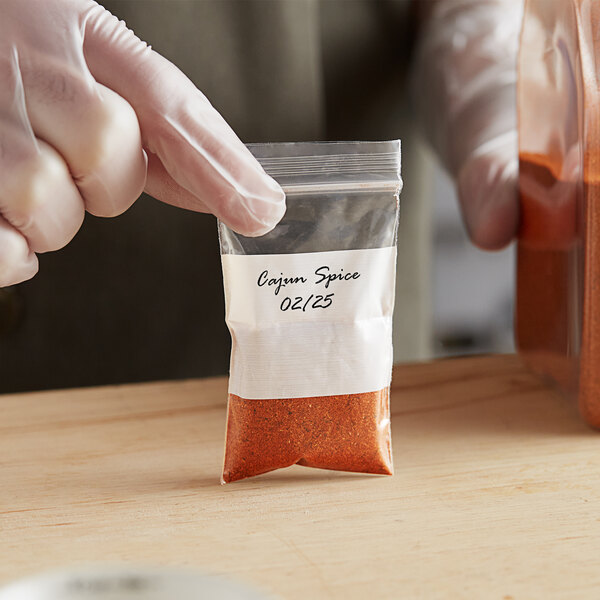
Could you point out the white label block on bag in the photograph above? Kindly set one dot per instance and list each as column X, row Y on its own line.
column 312, row 324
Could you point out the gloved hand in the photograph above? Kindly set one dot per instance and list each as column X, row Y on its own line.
column 89, row 117
column 465, row 90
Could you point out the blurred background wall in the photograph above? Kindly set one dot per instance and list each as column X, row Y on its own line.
column 472, row 291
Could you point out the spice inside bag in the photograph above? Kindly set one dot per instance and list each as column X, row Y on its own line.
column 309, row 307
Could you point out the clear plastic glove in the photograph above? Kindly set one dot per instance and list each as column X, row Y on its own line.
column 89, row 117
column 465, row 90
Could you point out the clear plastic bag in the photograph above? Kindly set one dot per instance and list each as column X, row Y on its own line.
column 558, row 275
column 309, row 307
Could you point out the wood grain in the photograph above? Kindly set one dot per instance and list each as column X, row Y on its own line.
column 496, row 492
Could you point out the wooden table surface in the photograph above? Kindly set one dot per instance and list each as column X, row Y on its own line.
column 496, row 493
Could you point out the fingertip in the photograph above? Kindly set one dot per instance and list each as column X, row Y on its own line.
column 28, row 269
column 493, row 231
column 259, row 214
column 489, row 200
column 104, row 199
column 269, row 210
column 17, row 262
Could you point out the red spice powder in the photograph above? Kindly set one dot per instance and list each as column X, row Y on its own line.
column 557, row 318
column 346, row 433
column 558, row 264
column 547, row 305
column 589, row 374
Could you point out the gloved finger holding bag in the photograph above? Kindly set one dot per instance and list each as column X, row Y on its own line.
column 465, row 89
column 90, row 117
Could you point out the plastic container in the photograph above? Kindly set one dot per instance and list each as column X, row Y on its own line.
column 558, row 258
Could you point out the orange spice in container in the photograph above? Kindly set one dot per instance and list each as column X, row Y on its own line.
column 558, row 275
column 309, row 308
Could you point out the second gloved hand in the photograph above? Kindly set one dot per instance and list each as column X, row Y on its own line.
column 465, row 90
column 90, row 117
